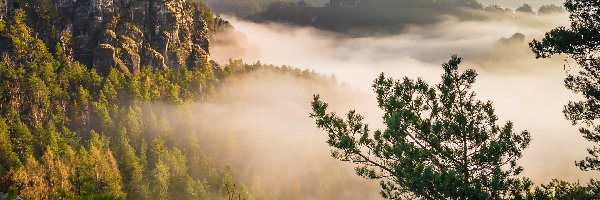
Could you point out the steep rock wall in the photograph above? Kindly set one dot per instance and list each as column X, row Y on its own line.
column 122, row 34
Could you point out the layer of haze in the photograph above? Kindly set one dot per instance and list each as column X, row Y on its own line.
column 260, row 125
column 524, row 90
column 513, row 4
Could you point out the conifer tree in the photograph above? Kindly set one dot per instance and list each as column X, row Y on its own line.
column 439, row 142
column 132, row 170
column 581, row 42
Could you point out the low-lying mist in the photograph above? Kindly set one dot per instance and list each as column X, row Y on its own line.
column 516, row 3
column 263, row 120
column 268, row 121
column 258, row 124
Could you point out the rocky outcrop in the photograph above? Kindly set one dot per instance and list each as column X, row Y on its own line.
column 130, row 34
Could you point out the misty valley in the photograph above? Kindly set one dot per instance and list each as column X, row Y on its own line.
column 311, row 99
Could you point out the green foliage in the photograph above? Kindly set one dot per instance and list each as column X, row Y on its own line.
column 525, row 8
column 439, row 142
column 207, row 15
column 581, row 43
column 237, row 68
column 131, row 169
column 558, row 189
column 550, row 9
column 2, row 25
column 375, row 17
column 22, row 140
column 8, row 157
column 68, row 133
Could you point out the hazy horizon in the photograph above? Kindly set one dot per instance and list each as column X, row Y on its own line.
column 244, row 99
column 524, row 90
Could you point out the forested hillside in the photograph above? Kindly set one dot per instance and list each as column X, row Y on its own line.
column 243, row 8
column 388, row 17
column 121, row 99
column 75, row 129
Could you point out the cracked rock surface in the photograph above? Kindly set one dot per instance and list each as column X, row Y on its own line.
column 126, row 34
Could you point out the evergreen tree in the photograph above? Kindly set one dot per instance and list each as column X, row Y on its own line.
column 31, row 179
column 438, row 143
column 104, row 167
column 558, row 189
column 581, row 43
column 9, row 159
column 181, row 185
column 21, row 137
column 84, row 177
column 135, row 185
column 57, row 117
column 58, row 175
column 159, row 170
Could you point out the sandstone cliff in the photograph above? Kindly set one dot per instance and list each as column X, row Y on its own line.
column 123, row 34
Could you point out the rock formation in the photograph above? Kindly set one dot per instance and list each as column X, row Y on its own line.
column 123, row 34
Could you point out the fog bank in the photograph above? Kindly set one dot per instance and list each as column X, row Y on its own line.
column 524, row 90
column 258, row 124
column 517, row 3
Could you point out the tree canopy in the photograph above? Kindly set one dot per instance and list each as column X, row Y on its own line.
column 67, row 132
column 439, row 142
column 581, row 42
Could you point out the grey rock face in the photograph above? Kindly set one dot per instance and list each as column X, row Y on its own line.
column 129, row 34
column 158, row 33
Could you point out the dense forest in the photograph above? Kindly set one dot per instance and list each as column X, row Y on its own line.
column 70, row 131
column 384, row 17
column 243, row 8
column 98, row 103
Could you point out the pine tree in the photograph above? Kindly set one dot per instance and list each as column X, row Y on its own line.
column 438, row 143
column 135, row 185
column 159, row 170
column 9, row 159
column 107, row 176
column 581, row 43
column 21, row 137
column 58, row 175
column 181, row 184
column 57, row 116
column 31, row 179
